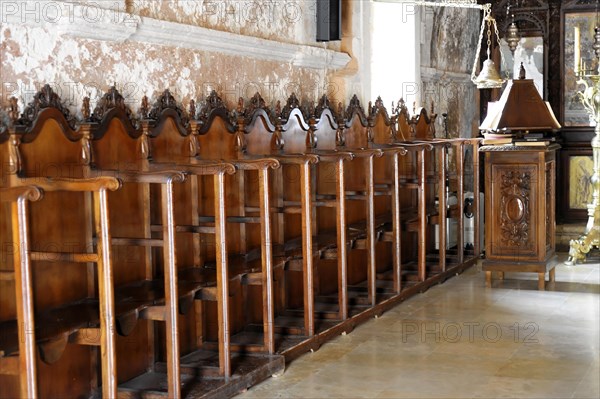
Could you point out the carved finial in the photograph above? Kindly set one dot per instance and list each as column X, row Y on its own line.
column 255, row 103
column 414, row 107
column 13, row 111
column 292, row 102
column 340, row 110
column 322, row 105
column 355, row 108
column 240, row 106
column 432, row 109
column 85, row 108
column 192, row 109
column 212, row 102
column 145, row 107
column 278, row 108
column 521, row 72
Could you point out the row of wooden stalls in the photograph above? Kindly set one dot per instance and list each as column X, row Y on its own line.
column 192, row 252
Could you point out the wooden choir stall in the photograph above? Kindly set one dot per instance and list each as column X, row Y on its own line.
column 173, row 252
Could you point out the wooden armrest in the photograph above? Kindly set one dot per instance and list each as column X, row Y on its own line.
column 365, row 152
column 252, row 162
column 29, row 193
column 202, row 168
column 136, row 176
column 416, row 145
column 295, row 159
column 389, row 148
column 67, row 184
column 332, row 155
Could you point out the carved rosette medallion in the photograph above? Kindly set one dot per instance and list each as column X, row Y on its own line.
column 514, row 208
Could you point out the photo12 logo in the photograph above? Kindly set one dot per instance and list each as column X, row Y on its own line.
column 55, row 12
column 453, row 332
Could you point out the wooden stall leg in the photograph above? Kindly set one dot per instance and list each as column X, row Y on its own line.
column 460, row 196
column 541, row 281
column 106, row 294
column 267, row 262
column 442, row 208
column 488, row 279
column 307, row 250
column 341, row 242
column 396, row 226
column 422, row 250
column 476, row 205
column 24, row 295
column 371, row 255
column 222, row 277
column 171, row 294
column 552, row 274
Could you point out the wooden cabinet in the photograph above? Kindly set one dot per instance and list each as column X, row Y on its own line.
column 520, row 210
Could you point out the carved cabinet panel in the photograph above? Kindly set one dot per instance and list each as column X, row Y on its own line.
column 520, row 210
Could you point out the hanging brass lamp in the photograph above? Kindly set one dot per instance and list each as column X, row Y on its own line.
column 512, row 32
column 512, row 36
column 489, row 77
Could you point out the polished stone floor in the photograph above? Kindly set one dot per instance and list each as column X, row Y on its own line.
column 462, row 340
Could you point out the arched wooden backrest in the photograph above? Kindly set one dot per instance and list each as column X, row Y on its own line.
column 327, row 129
column 404, row 130
column 43, row 142
column 116, row 148
column 327, row 136
column 355, row 136
column 424, row 124
column 383, row 131
column 383, row 127
column 295, row 133
column 260, row 136
column 218, row 139
column 356, row 132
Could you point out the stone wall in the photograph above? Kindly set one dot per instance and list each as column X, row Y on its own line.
column 448, row 44
column 191, row 47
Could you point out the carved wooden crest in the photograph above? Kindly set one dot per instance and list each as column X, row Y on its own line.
column 112, row 99
column 167, row 102
column 255, row 103
column 213, row 102
column 323, row 105
column 45, row 98
column 291, row 104
column 377, row 108
column 353, row 108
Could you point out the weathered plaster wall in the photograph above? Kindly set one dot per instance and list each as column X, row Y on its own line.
column 449, row 40
column 290, row 21
column 37, row 52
